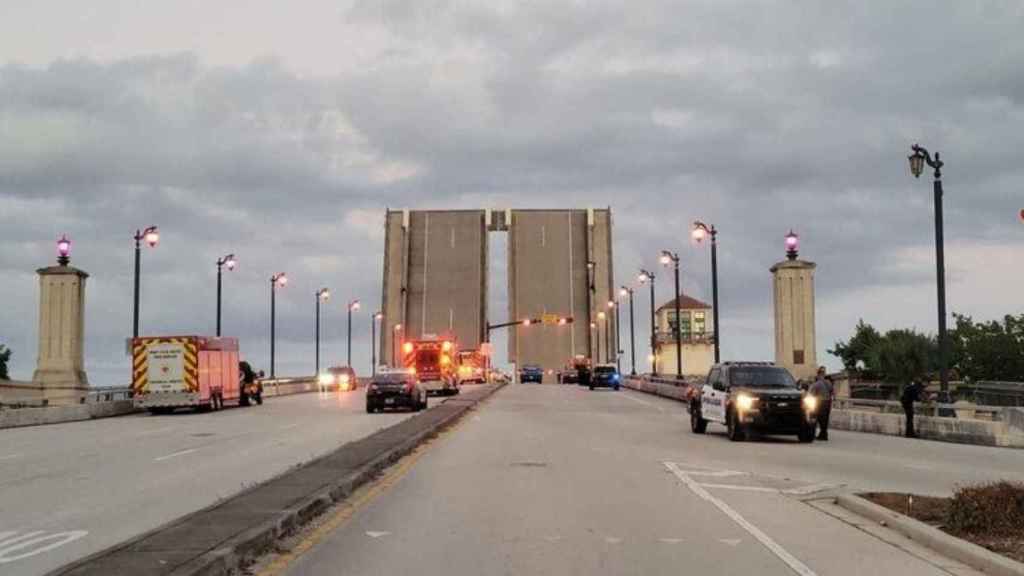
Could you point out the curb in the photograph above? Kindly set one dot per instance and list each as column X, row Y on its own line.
column 230, row 555
column 950, row 546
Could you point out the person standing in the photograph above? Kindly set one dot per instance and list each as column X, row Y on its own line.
column 821, row 390
column 911, row 393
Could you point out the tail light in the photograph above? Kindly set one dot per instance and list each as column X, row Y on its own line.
column 407, row 347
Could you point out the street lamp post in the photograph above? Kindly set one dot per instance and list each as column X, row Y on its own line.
column 152, row 236
column 322, row 295
column 603, row 319
column 597, row 337
column 626, row 291
column 700, row 231
column 666, row 259
column 230, row 262
column 614, row 340
column 918, row 159
column 377, row 317
column 646, row 276
column 352, row 306
column 394, row 345
column 591, row 295
column 277, row 280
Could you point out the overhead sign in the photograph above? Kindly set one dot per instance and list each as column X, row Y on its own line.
column 549, row 319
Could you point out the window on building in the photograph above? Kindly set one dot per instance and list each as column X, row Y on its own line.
column 699, row 323
column 685, row 316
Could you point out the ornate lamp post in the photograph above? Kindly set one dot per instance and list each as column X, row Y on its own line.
column 700, row 232
column 624, row 292
column 645, row 277
column 352, row 307
column 322, row 295
column 277, row 280
column 377, row 317
column 230, row 262
column 672, row 258
column 152, row 237
column 918, row 159
column 612, row 304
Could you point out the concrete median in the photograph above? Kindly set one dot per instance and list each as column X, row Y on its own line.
column 950, row 546
column 225, row 537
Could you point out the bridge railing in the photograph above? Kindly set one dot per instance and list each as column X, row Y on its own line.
column 934, row 409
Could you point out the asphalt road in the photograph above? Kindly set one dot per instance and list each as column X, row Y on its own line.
column 561, row 480
column 69, row 490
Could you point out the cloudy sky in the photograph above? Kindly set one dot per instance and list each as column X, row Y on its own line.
column 281, row 131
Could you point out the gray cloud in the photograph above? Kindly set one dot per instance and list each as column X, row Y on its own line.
column 759, row 117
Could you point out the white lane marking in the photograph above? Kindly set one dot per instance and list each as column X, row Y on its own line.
column 290, row 426
column 376, row 535
column 670, row 540
column 804, row 490
column 175, row 455
column 780, row 552
column 6, row 540
column 34, row 539
column 613, row 540
column 734, row 542
column 715, row 473
column 10, row 457
column 741, row 487
column 553, row 538
column 628, row 396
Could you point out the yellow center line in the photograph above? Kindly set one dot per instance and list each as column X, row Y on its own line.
column 359, row 499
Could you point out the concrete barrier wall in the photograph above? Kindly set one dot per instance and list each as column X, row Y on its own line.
column 18, row 417
column 1007, row 433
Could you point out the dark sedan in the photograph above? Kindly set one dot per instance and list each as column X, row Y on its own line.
column 399, row 389
column 531, row 373
column 606, row 376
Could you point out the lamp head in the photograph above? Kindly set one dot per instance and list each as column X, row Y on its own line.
column 63, row 250
column 152, row 236
column 792, row 245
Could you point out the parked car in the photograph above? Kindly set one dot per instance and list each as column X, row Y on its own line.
column 753, row 397
column 531, row 373
column 342, row 377
column 606, row 376
column 395, row 389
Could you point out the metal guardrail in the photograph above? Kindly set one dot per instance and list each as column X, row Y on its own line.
column 934, row 409
column 112, row 394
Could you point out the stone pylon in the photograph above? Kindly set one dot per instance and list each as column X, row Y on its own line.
column 60, row 370
column 793, row 299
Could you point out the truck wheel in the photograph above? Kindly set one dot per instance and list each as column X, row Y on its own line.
column 806, row 434
column 243, row 399
column 736, row 432
column 698, row 425
column 259, row 398
column 369, row 409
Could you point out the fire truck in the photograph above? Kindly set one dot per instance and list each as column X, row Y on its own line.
column 472, row 366
column 433, row 360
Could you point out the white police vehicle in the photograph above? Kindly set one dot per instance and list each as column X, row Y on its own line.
column 753, row 397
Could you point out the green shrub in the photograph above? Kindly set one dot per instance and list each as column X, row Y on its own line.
column 995, row 509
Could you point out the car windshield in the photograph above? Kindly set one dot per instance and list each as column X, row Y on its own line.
column 761, row 377
column 532, row 368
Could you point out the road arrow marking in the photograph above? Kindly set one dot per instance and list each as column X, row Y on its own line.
column 175, row 455
column 375, row 535
column 730, row 541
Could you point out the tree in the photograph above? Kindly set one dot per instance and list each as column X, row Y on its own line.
column 989, row 350
column 5, row 355
column 855, row 353
column 902, row 355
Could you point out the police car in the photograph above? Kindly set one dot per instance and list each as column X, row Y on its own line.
column 753, row 397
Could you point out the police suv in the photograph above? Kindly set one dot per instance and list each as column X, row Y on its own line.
column 753, row 396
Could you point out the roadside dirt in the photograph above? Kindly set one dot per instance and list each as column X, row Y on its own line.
column 936, row 511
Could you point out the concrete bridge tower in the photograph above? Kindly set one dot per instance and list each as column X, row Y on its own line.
column 793, row 299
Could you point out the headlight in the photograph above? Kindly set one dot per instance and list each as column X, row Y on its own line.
column 810, row 403
column 326, row 379
column 344, row 378
column 745, row 402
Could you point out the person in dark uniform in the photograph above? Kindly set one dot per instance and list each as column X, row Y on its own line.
column 911, row 393
column 821, row 389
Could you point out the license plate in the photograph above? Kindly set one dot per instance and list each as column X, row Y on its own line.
column 389, row 400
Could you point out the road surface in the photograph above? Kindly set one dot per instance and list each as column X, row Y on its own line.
column 561, row 480
column 83, row 486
